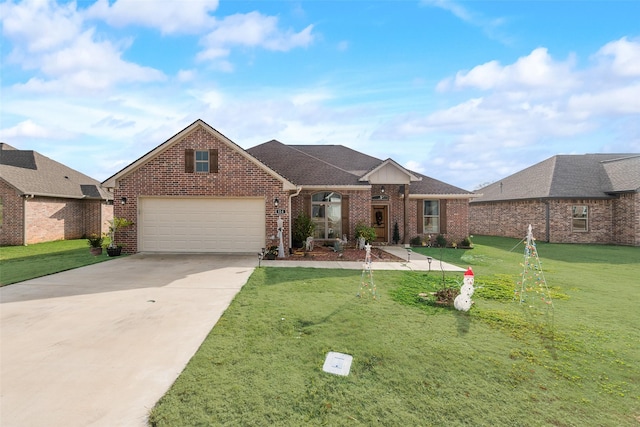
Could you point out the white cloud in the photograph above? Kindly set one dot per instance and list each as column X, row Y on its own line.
column 39, row 25
column 490, row 26
column 50, row 40
column 26, row 129
column 169, row 17
column 622, row 57
column 536, row 70
column 415, row 166
column 251, row 30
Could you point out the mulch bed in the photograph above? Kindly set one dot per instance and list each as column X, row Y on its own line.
column 326, row 253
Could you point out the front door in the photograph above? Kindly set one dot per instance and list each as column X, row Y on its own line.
column 380, row 221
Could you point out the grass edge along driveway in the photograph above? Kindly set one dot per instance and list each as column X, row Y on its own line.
column 418, row 364
column 19, row 263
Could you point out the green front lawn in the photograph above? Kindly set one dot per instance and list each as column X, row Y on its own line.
column 415, row 363
column 18, row 263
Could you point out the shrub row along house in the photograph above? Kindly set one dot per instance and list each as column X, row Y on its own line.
column 42, row 200
column 201, row 192
column 588, row 198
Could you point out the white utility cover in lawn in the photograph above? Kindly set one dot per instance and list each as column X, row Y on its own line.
column 195, row 224
column 337, row 363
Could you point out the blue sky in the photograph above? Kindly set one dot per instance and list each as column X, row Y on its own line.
column 466, row 92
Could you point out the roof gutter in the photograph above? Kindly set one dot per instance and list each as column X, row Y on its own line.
column 61, row 196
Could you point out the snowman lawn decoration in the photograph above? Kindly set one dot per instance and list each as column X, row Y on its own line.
column 463, row 301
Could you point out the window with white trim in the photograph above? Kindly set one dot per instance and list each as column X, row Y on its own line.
column 326, row 213
column 431, row 216
column 580, row 218
column 202, row 161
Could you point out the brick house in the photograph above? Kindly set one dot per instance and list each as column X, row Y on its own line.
column 588, row 198
column 200, row 192
column 42, row 200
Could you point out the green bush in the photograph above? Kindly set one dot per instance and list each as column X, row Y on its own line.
column 416, row 241
column 303, row 227
column 441, row 241
column 366, row 232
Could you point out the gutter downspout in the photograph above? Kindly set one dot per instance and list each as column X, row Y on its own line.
column 291, row 196
column 547, row 219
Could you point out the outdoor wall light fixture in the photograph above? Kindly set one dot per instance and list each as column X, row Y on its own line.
column 123, row 200
column 276, row 202
column 382, row 189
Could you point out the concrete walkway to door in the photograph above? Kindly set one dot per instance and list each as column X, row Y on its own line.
column 99, row 345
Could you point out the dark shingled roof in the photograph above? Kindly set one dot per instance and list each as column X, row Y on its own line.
column 29, row 172
column 333, row 165
column 568, row 176
column 301, row 168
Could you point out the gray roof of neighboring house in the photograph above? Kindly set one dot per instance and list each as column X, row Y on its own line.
column 333, row 165
column 569, row 176
column 29, row 172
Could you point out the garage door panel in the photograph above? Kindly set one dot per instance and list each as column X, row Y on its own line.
column 201, row 225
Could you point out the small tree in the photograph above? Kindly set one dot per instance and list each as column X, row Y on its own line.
column 303, row 227
column 396, row 233
column 114, row 225
column 365, row 232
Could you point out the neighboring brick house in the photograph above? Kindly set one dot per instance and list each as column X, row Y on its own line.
column 42, row 200
column 201, row 192
column 587, row 198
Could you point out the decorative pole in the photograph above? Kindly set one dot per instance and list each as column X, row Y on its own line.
column 280, row 245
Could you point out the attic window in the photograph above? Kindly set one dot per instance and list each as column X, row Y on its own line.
column 201, row 161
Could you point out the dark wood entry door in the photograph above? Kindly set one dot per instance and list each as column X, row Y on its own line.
column 380, row 221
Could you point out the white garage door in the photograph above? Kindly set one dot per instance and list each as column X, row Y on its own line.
column 233, row 225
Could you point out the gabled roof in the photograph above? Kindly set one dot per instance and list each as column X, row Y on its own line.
column 31, row 173
column 302, row 168
column 111, row 181
column 336, row 165
column 569, row 176
column 392, row 164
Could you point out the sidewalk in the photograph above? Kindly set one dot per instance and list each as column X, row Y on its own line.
column 413, row 261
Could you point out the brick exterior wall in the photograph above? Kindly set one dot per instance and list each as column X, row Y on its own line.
column 12, row 227
column 360, row 202
column 626, row 219
column 610, row 221
column 49, row 218
column 165, row 175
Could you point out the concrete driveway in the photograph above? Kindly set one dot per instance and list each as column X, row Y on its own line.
column 99, row 345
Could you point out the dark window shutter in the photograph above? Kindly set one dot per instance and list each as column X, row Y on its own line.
column 213, row 160
column 306, row 199
column 443, row 216
column 420, row 222
column 189, row 160
column 345, row 215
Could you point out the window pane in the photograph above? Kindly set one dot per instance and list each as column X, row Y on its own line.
column 431, row 207
column 431, row 224
column 579, row 224
column 317, row 211
column 319, row 232
column 579, row 211
column 202, row 155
